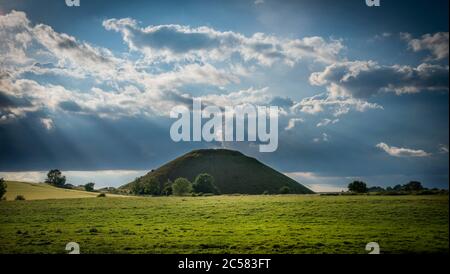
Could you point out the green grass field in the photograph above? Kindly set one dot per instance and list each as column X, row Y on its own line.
column 227, row 224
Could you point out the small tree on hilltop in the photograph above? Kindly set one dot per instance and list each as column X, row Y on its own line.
column 204, row 183
column 358, row 187
column 89, row 187
column 3, row 187
column 181, row 187
column 55, row 178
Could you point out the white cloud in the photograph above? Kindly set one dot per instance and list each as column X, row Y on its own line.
column 293, row 122
column 47, row 123
column 326, row 122
column 436, row 43
column 443, row 149
column 319, row 183
column 177, row 42
column 324, row 138
column 338, row 105
column 402, row 152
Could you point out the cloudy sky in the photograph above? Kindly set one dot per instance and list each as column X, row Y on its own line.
column 363, row 92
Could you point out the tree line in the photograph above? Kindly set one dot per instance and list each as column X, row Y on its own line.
column 203, row 184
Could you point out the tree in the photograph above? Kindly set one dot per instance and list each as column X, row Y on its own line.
column 285, row 190
column 55, row 178
column 204, row 183
column 167, row 189
column 137, row 187
column 398, row 187
column 146, row 187
column 89, row 187
column 358, row 187
column 413, row 186
column 152, row 187
column 181, row 187
column 3, row 187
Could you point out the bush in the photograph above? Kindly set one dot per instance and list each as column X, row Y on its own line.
column 150, row 187
column 101, row 195
column 204, row 183
column 55, row 178
column 285, row 190
column 3, row 187
column 20, row 198
column 89, row 187
column 181, row 187
column 167, row 190
column 358, row 187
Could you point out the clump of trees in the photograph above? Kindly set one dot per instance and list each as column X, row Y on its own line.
column 3, row 187
column 146, row 187
column 203, row 184
column 358, row 187
column 55, row 178
column 413, row 187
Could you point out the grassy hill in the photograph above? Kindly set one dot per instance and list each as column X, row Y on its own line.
column 35, row 191
column 233, row 172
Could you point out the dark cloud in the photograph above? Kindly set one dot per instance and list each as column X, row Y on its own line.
column 364, row 79
column 70, row 106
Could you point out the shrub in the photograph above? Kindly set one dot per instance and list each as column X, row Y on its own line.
column 204, row 183
column 89, row 187
column 285, row 190
column 167, row 190
column 20, row 198
column 181, row 187
column 3, row 187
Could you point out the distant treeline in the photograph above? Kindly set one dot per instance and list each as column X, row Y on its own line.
column 413, row 187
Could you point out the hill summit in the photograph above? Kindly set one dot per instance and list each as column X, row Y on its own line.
column 233, row 172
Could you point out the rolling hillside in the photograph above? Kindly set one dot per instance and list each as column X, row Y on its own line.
column 35, row 191
column 233, row 172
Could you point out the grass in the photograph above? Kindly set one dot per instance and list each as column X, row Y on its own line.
column 227, row 224
column 34, row 191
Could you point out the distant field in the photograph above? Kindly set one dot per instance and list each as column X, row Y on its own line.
column 43, row 192
column 227, row 224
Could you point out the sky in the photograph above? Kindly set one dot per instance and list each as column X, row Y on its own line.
column 362, row 91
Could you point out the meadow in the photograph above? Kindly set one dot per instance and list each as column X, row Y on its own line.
column 227, row 224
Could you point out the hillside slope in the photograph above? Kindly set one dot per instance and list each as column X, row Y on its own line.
column 35, row 191
column 233, row 172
